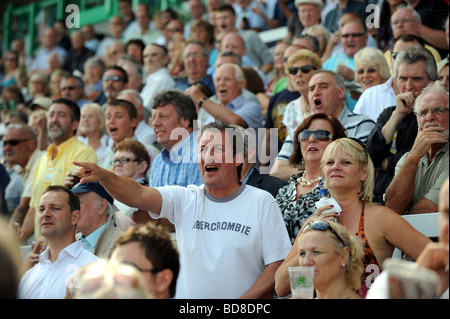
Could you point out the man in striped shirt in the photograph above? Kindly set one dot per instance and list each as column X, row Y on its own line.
column 326, row 95
column 177, row 164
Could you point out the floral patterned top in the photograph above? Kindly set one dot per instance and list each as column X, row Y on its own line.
column 295, row 213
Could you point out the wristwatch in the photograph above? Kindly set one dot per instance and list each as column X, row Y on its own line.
column 202, row 100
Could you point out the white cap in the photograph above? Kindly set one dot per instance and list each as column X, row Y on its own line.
column 316, row 2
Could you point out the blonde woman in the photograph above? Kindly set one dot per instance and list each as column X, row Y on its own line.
column 371, row 67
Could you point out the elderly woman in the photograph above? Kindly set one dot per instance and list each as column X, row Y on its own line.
column 349, row 177
column 335, row 256
column 37, row 87
column 300, row 67
column 371, row 67
column 443, row 76
column 296, row 199
column 91, row 129
column 278, row 65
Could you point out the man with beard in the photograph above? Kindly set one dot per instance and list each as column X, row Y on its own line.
column 53, row 166
column 114, row 80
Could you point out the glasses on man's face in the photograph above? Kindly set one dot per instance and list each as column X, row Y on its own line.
column 319, row 135
column 68, row 88
column 323, row 226
column 369, row 70
column 124, row 160
column 304, row 69
column 153, row 271
column 14, row 142
column 353, row 35
column 439, row 110
column 115, row 78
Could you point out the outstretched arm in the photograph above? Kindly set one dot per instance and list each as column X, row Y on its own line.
column 125, row 190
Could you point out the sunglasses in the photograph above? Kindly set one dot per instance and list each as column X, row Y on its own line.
column 394, row 54
column 115, row 78
column 304, row 69
column 353, row 35
column 319, row 135
column 369, row 70
column 124, row 160
column 363, row 145
column 68, row 88
column 323, row 226
column 14, row 142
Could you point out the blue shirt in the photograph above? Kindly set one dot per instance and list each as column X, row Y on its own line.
column 90, row 241
column 177, row 167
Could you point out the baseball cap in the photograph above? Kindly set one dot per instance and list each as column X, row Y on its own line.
column 316, row 2
column 93, row 187
column 42, row 101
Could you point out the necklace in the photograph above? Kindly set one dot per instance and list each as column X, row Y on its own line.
column 306, row 182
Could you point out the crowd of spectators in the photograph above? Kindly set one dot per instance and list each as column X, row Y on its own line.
column 194, row 151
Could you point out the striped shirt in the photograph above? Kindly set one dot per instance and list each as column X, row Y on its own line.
column 177, row 167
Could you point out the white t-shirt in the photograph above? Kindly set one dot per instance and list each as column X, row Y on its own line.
column 224, row 243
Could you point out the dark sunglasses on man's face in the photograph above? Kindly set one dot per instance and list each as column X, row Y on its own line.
column 304, row 69
column 115, row 78
column 319, row 135
column 13, row 142
column 68, row 88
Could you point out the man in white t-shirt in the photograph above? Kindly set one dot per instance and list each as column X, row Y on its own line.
column 231, row 236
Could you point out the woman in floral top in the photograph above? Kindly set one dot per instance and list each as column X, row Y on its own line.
column 296, row 199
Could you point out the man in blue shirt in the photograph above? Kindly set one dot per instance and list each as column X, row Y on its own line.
column 177, row 164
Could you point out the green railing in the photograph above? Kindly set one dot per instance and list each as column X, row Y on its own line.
column 24, row 21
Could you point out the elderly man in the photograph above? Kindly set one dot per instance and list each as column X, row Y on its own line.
column 144, row 32
column 59, row 213
column 255, row 226
column 159, row 79
column 326, row 95
column 173, row 122
column 309, row 13
column 420, row 173
column 96, row 223
column 396, row 127
column 20, row 147
column 116, row 27
column 407, row 21
column 195, row 59
column 48, row 45
column 233, row 107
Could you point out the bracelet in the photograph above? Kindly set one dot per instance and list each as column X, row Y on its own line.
column 202, row 100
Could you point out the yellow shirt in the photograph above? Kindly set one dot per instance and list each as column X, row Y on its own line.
column 53, row 171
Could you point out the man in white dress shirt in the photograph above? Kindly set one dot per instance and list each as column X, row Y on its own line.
column 59, row 212
column 159, row 79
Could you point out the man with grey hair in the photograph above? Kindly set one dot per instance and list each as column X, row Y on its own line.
column 396, row 127
column 408, row 21
column 20, row 148
column 72, row 88
column 97, row 226
column 420, row 173
column 233, row 107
